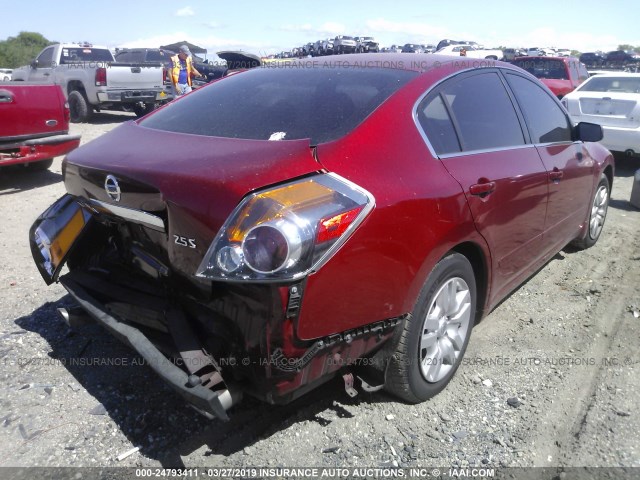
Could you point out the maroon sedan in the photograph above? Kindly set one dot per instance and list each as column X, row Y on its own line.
column 290, row 223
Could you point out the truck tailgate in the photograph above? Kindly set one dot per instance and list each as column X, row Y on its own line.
column 28, row 111
column 134, row 77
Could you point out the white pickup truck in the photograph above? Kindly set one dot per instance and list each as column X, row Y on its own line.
column 92, row 80
column 471, row 51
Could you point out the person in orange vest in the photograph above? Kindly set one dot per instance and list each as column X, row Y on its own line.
column 181, row 70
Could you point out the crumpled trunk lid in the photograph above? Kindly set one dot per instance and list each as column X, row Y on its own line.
column 189, row 184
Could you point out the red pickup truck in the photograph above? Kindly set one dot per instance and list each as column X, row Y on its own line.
column 34, row 125
column 561, row 74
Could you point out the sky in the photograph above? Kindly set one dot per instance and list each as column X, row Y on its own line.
column 267, row 27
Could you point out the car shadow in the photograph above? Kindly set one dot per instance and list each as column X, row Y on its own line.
column 154, row 417
column 102, row 118
column 626, row 166
column 622, row 205
column 18, row 178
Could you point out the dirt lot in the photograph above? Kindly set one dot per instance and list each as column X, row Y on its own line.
column 551, row 378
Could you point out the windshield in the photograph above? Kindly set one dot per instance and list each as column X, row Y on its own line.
column 282, row 103
column 612, row 84
column 549, row 69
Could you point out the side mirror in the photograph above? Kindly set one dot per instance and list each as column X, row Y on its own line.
column 588, row 132
column 34, row 64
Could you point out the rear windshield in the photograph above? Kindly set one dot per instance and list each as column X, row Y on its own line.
column 81, row 54
column 612, row 84
column 284, row 103
column 550, row 69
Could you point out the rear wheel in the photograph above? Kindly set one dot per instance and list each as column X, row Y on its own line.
column 599, row 206
column 434, row 338
column 79, row 108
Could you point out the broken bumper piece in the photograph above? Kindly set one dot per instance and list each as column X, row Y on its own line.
column 212, row 403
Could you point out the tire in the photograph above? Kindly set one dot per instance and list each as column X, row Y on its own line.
column 40, row 165
column 79, row 108
column 597, row 217
column 425, row 358
column 141, row 109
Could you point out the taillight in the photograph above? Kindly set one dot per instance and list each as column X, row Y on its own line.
column 286, row 232
column 67, row 113
column 164, row 75
column 101, row 77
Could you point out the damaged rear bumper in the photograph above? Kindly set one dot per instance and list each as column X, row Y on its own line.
column 213, row 403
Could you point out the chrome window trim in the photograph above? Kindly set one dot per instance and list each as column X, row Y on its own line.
column 422, row 133
column 136, row 216
column 485, row 150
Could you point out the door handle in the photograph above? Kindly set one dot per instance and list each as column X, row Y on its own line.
column 556, row 175
column 482, row 189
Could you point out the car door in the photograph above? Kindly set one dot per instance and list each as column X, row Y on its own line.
column 570, row 167
column 44, row 68
column 473, row 126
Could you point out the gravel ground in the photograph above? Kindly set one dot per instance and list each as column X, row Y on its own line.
column 551, row 377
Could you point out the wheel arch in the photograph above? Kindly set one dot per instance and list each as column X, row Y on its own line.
column 74, row 85
column 608, row 172
column 478, row 260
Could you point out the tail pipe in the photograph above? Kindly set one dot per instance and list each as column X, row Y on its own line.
column 74, row 317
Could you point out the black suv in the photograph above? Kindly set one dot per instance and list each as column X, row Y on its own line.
column 619, row 56
column 592, row 59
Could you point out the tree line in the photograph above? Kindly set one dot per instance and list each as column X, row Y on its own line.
column 20, row 50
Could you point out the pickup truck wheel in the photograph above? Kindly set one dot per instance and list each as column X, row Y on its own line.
column 40, row 165
column 433, row 339
column 79, row 107
column 141, row 109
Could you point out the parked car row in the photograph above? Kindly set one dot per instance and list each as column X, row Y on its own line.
column 614, row 58
column 348, row 44
column 340, row 44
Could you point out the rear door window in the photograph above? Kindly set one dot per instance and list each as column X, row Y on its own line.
column 483, row 112
column 546, row 120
